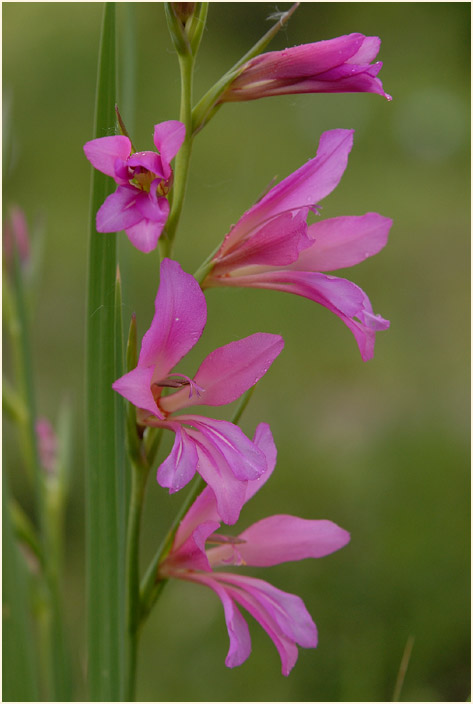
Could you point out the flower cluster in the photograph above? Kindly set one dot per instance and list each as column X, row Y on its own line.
column 271, row 246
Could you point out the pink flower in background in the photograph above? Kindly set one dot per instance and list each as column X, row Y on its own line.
column 271, row 246
column 341, row 65
column 15, row 234
column 217, row 449
column 47, row 444
column 139, row 205
column 271, row 541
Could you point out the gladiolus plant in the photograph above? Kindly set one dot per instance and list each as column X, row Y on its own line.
column 136, row 395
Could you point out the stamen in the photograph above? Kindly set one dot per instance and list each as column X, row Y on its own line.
column 177, row 383
column 225, row 539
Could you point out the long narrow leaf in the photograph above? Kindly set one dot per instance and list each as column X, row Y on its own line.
column 19, row 671
column 104, row 543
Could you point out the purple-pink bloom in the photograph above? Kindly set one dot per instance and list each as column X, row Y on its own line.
column 271, row 541
column 271, row 246
column 340, row 65
column 15, row 235
column 139, row 205
column 47, row 444
column 217, row 449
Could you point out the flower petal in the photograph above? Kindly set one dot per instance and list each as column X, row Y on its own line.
column 178, row 322
column 118, row 211
column 246, row 460
column 104, row 151
column 341, row 296
column 302, row 189
column 240, row 641
column 145, row 234
column 343, row 242
column 135, row 386
column 148, row 160
column 284, row 538
column 168, row 138
column 191, row 553
column 276, row 242
column 181, row 464
column 227, row 372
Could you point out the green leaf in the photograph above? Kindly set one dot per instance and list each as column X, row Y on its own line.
column 19, row 668
column 104, row 476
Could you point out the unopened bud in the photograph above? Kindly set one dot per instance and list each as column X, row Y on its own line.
column 184, row 10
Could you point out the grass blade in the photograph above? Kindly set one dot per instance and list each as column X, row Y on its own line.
column 103, row 481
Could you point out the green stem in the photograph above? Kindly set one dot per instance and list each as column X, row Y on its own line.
column 139, row 478
column 150, row 587
column 181, row 168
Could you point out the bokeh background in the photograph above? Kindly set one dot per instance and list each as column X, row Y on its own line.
column 380, row 447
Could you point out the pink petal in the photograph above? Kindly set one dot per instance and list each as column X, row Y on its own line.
column 343, row 242
column 204, row 507
column 148, row 160
column 302, row 189
column 152, row 208
column 246, row 460
column 119, row 211
column 341, row 296
column 263, row 439
column 145, row 234
column 104, row 151
column 135, row 386
column 227, row 372
column 168, row 138
column 367, row 52
column 240, row 642
column 218, row 474
column 191, row 553
column 283, row 538
column 178, row 322
column 276, row 242
column 180, row 466
column 287, row 610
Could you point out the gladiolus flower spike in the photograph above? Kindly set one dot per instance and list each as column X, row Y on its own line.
column 271, row 246
column 271, row 541
column 217, row 449
column 139, row 205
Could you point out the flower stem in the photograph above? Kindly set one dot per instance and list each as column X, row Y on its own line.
column 181, row 169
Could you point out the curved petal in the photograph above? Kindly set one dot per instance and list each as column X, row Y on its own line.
column 227, row 372
column 153, row 208
column 168, row 138
column 104, row 151
column 283, row 616
column 276, row 242
column 344, row 241
column 191, row 553
column 302, row 189
column 118, row 211
column 218, row 474
column 204, row 507
column 341, row 296
column 145, row 234
column 240, row 641
column 148, row 160
column 284, row 538
column 178, row 322
column 287, row 610
column 135, row 386
column 244, row 458
column 181, row 464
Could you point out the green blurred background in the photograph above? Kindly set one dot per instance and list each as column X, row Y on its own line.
column 380, row 447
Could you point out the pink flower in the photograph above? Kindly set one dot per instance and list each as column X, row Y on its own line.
column 139, row 204
column 15, row 234
column 47, row 444
column 217, row 449
column 340, row 65
column 271, row 246
column 271, row 541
